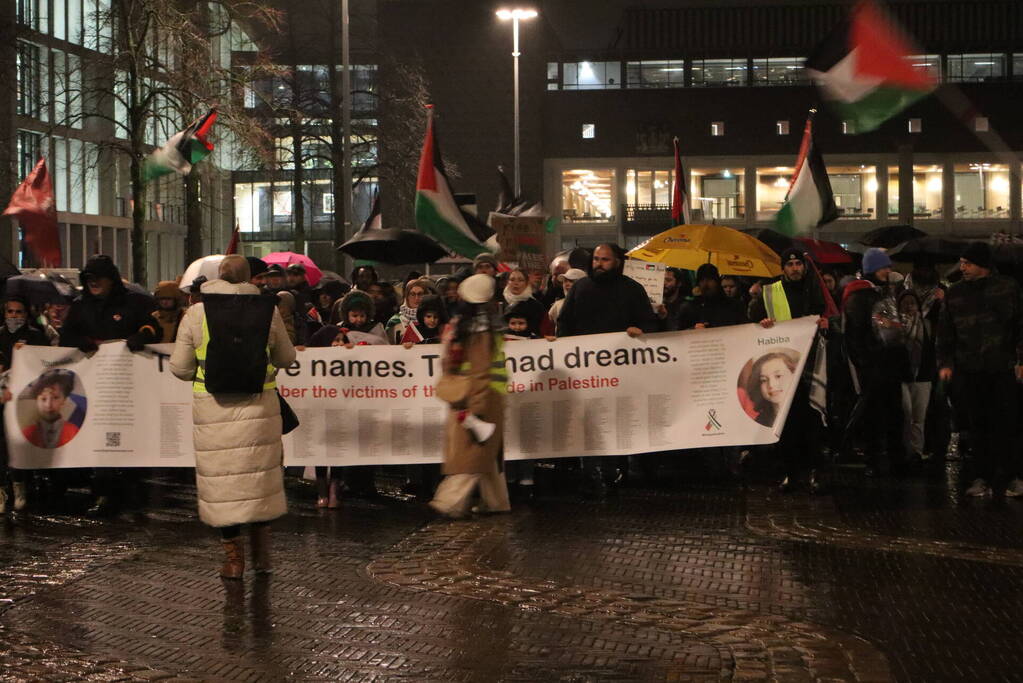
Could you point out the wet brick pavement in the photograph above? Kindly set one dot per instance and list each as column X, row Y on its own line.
column 897, row 580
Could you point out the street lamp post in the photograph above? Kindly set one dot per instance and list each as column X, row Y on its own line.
column 515, row 15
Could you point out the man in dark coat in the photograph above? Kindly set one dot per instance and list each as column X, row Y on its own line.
column 873, row 343
column 980, row 350
column 711, row 308
column 607, row 300
column 108, row 310
column 795, row 295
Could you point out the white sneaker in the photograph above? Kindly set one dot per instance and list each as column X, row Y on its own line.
column 978, row 489
column 20, row 495
column 1015, row 488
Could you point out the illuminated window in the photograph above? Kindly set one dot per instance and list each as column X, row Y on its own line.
column 717, row 129
column 655, row 74
column 981, row 191
column 717, row 192
column 772, row 186
column 779, row 71
column 855, row 191
column 591, row 75
column 927, row 189
column 976, row 67
column 719, row 72
column 588, row 195
column 928, row 64
column 589, row 131
column 981, row 124
column 648, row 188
column 916, row 125
column 782, row 127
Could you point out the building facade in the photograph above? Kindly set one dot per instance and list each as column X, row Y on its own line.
column 606, row 87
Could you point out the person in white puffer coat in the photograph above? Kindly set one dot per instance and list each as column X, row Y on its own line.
column 238, row 449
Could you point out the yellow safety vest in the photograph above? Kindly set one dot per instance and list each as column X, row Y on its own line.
column 776, row 303
column 498, row 371
column 199, row 383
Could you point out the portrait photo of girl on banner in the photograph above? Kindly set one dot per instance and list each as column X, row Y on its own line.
column 51, row 409
column 765, row 383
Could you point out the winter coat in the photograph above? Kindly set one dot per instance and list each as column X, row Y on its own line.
column 238, row 450
column 712, row 311
column 462, row 455
column 28, row 333
column 119, row 315
column 168, row 322
column 878, row 353
column 981, row 326
column 610, row 304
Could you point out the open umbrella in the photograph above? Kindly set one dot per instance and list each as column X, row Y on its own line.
column 690, row 246
column 394, row 246
column 825, row 253
column 930, row 248
column 891, row 236
column 207, row 266
column 772, row 238
column 7, row 269
column 36, row 289
column 286, row 258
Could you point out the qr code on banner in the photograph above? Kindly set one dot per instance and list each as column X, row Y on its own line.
column 113, row 439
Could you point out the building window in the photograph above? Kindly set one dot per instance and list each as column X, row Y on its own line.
column 782, row 127
column 981, row 191
column 855, row 191
column 29, row 79
column 772, row 186
column 648, row 188
column 587, row 195
column 717, row 129
column 779, row 71
column 553, row 80
column 32, row 14
column 328, row 202
column 848, row 128
column 981, row 124
column 1017, row 67
column 29, row 151
column 976, row 67
column 928, row 186
column 929, row 64
column 655, row 74
column 591, row 75
column 916, row 125
column 717, row 193
column 589, row 131
column 719, row 72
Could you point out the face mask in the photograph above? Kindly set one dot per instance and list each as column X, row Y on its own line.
column 14, row 324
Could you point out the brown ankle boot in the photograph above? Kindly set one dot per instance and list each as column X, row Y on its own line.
column 234, row 564
column 259, row 535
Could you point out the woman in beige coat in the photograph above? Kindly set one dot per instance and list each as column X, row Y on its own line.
column 474, row 384
column 238, row 450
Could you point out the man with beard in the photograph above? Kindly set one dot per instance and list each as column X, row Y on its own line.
column 605, row 301
column 794, row 295
column 711, row 308
column 257, row 271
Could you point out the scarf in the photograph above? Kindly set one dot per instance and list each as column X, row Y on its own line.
column 407, row 315
column 512, row 299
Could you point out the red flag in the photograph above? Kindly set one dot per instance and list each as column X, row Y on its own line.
column 232, row 246
column 33, row 206
column 679, row 197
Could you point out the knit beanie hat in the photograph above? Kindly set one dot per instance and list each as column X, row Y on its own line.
column 874, row 260
column 484, row 258
column 707, row 271
column 978, row 253
column 790, row 254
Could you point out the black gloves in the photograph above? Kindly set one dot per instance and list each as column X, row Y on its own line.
column 137, row 341
column 88, row 346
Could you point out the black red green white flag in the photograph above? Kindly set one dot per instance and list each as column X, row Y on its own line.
column 182, row 151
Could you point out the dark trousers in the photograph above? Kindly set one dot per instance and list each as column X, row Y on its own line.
column 800, row 436
column 231, row 532
column 989, row 401
column 881, row 426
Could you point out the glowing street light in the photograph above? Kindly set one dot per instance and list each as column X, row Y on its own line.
column 515, row 15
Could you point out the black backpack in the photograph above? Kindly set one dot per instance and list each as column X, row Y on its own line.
column 239, row 328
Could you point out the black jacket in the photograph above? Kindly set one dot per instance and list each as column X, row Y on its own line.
column 120, row 315
column 594, row 306
column 866, row 351
column 981, row 326
column 28, row 333
column 803, row 296
column 713, row 311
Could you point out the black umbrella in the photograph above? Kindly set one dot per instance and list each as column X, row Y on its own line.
column 891, row 236
column 7, row 269
column 394, row 246
column 772, row 238
column 930, row 248
column 36, row 289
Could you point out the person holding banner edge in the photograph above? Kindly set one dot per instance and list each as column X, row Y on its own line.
column 230, row 347
column 795, row 295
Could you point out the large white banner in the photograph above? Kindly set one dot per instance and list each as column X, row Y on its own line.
column 602, row 394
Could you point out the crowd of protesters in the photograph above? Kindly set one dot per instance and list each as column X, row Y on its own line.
column 906, row 358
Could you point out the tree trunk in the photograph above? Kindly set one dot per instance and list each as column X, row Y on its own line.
column 138, row 217
column 297, row 181
column 193, row 218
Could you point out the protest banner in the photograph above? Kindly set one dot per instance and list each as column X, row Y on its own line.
column 518, row 236
column 650, row 275
column 603, row 394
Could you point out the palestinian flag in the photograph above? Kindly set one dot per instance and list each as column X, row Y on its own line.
column 809, row 202
column 863, row 69
column 184, row 149
column 437, row 213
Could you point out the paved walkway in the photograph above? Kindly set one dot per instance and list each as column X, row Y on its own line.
column 881, row 581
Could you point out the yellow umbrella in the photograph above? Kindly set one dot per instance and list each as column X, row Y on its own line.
column 690, row 246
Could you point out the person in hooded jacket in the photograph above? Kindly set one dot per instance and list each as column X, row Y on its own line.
column 519, row 294
column 17, row 331
column 107, row 310
column 431, row 317
column 354, row 312
column 711, row 308
column 171, row 309
column 237, row 433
